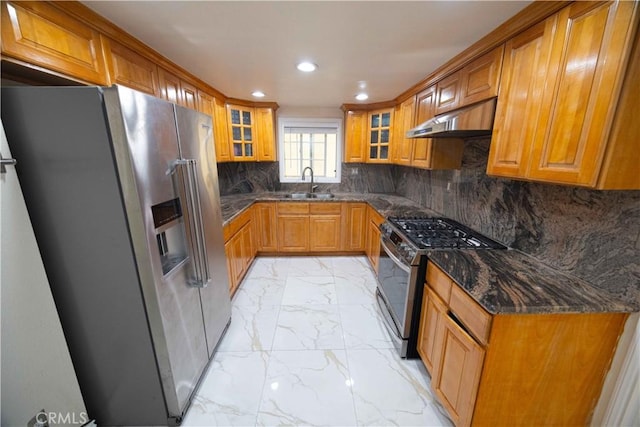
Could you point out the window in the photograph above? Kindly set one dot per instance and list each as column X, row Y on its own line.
column 310, row 142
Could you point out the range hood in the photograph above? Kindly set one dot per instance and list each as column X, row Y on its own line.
column 475, row 120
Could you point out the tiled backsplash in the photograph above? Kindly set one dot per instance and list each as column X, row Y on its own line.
column 594, row 235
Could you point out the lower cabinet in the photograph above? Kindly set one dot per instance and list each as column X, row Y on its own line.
column 293, row 227
column 239, row 247
column 354, row 225
column 516, row 368
column 309, row 227
column 373, row 237
column 264, row 214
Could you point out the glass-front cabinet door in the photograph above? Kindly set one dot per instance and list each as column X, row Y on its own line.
column 241, row 132
column 380, row 127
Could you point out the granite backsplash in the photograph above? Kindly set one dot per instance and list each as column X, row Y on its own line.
column 594, row 235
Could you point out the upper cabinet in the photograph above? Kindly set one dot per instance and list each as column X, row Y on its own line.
column 265, row 134
column 176, row 90
column 368, row 136
column 251, row 133
column 477, row 81
column 130, row 69
column 355, row 140
column 566, row 109
column 211, row 106
column 240, row 123
column 380, row 126
column 405, row 119
column 38, row 33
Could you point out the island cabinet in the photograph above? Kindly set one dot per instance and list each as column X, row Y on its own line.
column 516, row 368
column 568, row 100
column 251, row 133
column 374, row 219
column 40, row 34
column 239, row 247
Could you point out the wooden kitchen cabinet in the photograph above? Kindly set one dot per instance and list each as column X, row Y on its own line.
column 355, row 221
column 431, row 315
column 512, row 368
column 480, row 79
column 355, row 137
column 477, row 81
column 577, row 111
column 433, row 153
column 293, row 227
column 214, row 107
column 325, row 227
column 176, row 90
column 241, row 132
column 266, row 226
column 380, row 128
column 130, row 69
column 40, row 34
column 405, row 120
column 240, row 247
column 265, row 134
column 457, row 369
column 251, row 133
column 448, row 93
column 374, row 219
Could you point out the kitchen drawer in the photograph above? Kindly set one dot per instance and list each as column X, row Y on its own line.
column 325, row 208
column 293, row 208
column 471, row 314
column 237, row 223
column 439, row 282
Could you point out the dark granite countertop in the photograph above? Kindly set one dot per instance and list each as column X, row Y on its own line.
column 502, row 281
column 386, row 204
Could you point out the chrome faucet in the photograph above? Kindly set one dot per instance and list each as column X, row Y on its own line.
column 311, row 186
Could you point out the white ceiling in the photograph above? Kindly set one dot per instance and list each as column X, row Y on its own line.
column 241, row 46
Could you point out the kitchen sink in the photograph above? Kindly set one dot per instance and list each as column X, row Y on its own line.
column 322, row 196
column 298, row 195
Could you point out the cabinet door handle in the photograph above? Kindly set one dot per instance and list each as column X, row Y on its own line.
column 6, row 162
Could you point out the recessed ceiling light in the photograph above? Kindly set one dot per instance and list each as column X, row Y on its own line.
column 362, row 96
column 307, row 67
column 258, row 94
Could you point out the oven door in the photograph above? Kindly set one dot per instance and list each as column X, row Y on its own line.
column 396, row 288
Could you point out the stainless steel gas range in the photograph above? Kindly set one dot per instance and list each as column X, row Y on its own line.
column 404, row 243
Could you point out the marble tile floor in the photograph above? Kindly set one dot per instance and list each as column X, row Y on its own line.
column 306, row 346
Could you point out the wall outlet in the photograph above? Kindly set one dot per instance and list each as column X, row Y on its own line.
column 354, row 171
column 449, row 186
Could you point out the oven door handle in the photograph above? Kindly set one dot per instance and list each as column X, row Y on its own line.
column 386, row 316
column 394, row 258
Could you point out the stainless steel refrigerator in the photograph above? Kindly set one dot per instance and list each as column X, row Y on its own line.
column 122, row 191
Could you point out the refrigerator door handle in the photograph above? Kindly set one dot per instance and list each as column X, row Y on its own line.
column 188, row 173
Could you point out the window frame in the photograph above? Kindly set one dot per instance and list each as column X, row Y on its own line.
column 334, row 123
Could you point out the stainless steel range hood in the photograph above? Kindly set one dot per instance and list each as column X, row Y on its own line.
column 475, row 120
